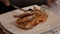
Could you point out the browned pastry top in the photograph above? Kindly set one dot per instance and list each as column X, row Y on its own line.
column 29, row 20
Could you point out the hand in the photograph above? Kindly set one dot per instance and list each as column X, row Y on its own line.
column 6, row 2
column 50, row 2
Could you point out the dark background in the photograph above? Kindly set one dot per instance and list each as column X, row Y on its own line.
column 24, row 3
column 21, row 4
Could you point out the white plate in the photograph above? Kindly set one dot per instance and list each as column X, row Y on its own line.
column 8, row 21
